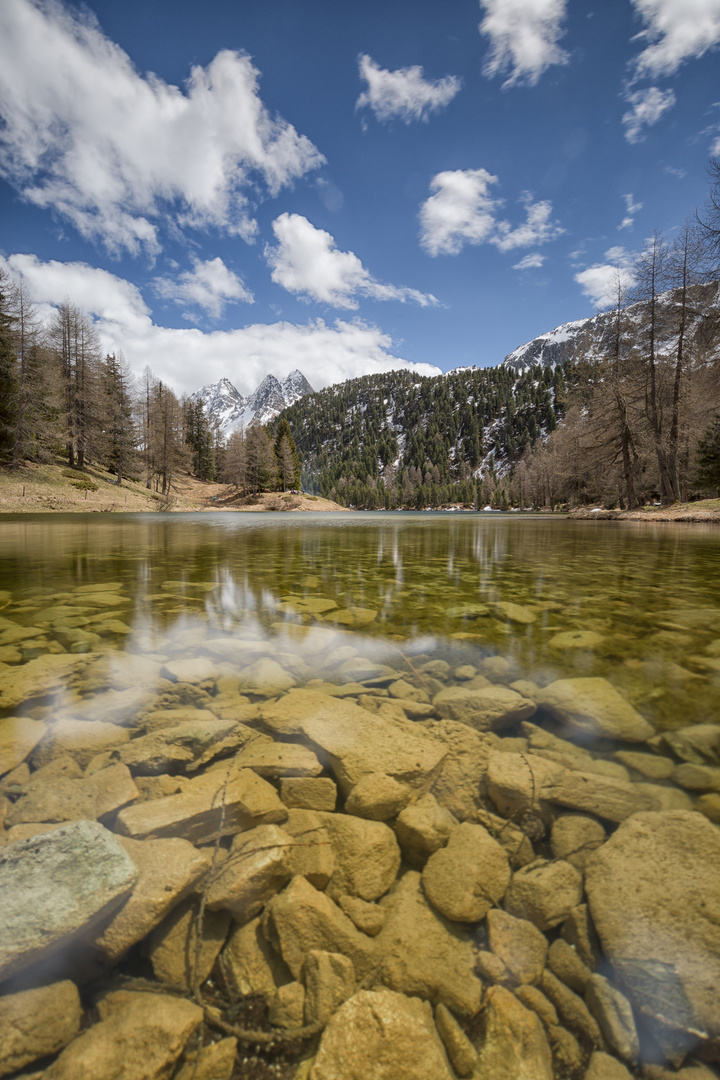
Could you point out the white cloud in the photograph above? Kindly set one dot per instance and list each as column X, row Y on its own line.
column 600, row 282
column 209, row 285
column 462, row 211
column 647, row 107
column 678, row 30
column 306, row 261
column 530, row 262
column 524, row 37
column 403, row 94
column 538, row 227
column 189, row 358
column 117, row 153
column 632, row 208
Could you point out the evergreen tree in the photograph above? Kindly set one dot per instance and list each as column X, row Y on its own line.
column 260, row 465
column 708, row 456
column 120, row 439
column 286, row 456
column 8, row 370
column 200, row 437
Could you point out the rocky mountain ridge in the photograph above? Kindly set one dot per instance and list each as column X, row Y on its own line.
column 226, row 407
column 592, row 336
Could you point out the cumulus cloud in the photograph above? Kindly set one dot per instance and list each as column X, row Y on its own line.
column 530, row 262
column 403, row 94
column 306, row 261
column 210, row 285
column 632, row 208
column 463, row 211
column 189, row 358
column 677, row 30
column 647, row 107
column 600, row 282
column 524, row 37
column 117, row 153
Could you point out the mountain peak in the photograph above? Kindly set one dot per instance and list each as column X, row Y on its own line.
column 226, row 407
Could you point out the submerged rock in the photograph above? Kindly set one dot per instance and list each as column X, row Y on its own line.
column 367, row 856
column 168, row 870
column 36, row 679
column 257, row 868
column 514, row 1045
column 654, row 894
column 140, row 1037
column 423, row 828
column 18, row 736
column 223, row 799
column 519, row 944
column 251, row 964
column 420, row 952
column 329, row 981
column 468, row 876
column 300, row 919
column 378, row 1034
column 76, row 876
column 544, row 892
column 35, row 1023
column 354, row 742
column 489, row 708
column 173, row 945
column 592, row 706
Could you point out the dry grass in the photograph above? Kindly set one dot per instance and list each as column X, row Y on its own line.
column 703, row 510
column 39, row 489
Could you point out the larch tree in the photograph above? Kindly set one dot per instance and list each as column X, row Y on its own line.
column 652, row 271
column 76, row 343
column 234, row 459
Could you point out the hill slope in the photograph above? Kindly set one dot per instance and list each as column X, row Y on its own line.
column 398, row 439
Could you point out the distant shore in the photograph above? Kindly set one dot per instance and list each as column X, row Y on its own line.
column 703, row 511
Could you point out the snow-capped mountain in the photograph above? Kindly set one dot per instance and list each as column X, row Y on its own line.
column 592, row 337
column 223, row 402
column 225, row 405
column 552, row 348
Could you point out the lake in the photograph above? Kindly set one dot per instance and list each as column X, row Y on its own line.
column 637, row 604
column 303, row 770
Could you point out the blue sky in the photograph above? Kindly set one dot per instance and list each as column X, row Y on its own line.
column 238, row 187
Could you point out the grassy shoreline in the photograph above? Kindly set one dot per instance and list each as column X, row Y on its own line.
column 45, row 488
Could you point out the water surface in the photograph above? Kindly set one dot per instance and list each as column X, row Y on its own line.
column 636, row 603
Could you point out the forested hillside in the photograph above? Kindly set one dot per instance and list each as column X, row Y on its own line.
column 396, row 439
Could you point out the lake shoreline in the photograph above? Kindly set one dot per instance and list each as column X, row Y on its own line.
column 707, row 510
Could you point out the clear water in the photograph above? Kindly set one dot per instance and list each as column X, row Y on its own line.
column 638, row 604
